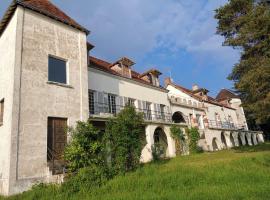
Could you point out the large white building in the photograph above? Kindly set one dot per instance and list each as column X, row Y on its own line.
column 48, row 82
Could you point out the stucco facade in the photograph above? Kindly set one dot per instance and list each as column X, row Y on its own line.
column 28, row 38
column 30, row 98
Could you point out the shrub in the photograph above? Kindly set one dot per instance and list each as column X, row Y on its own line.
column 157, row 152
column 85, row 147
column 123, row 140
column 86, row 179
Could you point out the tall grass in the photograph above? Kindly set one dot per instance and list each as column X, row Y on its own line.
column 242, row 173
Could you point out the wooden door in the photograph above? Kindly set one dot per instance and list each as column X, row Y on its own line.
column 57, row 137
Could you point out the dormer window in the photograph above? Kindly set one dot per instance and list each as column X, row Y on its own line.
column 123, row 67
column 151, row 76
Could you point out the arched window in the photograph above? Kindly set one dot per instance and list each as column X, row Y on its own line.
column 178, row 118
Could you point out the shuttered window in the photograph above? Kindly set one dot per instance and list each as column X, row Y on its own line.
column 91, row 101
column 2, row 112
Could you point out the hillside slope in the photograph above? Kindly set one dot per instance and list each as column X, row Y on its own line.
column 233, row 174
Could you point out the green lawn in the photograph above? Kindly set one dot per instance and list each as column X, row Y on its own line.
column 234, row 174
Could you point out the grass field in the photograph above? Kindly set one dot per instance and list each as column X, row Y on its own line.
column 242, row 173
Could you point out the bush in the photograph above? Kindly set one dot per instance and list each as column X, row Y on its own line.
column 157, row 152
column 86, row 179
column 123, row 140
column 85, row 147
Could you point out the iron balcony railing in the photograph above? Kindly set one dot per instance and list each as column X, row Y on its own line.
column 225, row 125
column 107, row 110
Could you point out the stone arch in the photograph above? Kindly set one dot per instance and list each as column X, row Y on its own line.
column 178, row 117
column 223, row 140
column 161, row 141
column 215, row 144
column 232, row 139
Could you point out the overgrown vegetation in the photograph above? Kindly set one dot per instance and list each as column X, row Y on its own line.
column 124, row 140
column 194, row 136
column 243, row 173
column 85, row 147
column 245, row 25
column 179, row 137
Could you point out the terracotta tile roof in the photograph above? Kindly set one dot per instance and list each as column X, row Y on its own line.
column 210, row 100
column 225, row 94
column 44, row 7
column 106, row 66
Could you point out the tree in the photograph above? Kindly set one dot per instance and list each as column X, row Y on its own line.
column 85, row 147
column 123, row 140
column 245, row 24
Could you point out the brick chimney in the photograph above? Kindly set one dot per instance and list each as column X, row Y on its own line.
column 167, row 81
column 195, row 87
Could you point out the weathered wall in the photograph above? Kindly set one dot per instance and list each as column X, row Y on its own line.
column 104, row 82
column 42, row 37
column 237, row 104
column 10, row 52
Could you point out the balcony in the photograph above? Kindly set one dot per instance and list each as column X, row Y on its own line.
column 190, row 103
column 103, row 110
column 213, row 124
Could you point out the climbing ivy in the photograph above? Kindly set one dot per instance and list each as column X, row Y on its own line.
column 194, row 136
column 179, row 137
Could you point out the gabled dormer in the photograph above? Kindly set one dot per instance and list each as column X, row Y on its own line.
column 123, row 67
column 151, row 76
column 200, row 92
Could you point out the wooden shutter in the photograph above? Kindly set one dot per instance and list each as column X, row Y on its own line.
column 105, row 103
column 125, row 101
column 100, row 101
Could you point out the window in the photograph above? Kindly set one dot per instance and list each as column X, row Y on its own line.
column 1, row 112
column 112, row 104
column 57, row 70
column 131, row 102
column 148, row 111
column 91, row 101
column 162, row 111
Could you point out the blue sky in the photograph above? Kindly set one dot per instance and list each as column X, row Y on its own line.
column 175, row 36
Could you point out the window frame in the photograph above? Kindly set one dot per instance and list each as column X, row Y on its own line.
column 67, row 69
column 112, row 103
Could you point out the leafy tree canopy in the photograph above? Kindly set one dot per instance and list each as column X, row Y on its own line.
column 245, row 24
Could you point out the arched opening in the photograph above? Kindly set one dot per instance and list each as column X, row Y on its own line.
column 214, row 144
column 178, row 118
column 161, row 142
column 240, row 140
column 232, row 139
column 223, row 139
